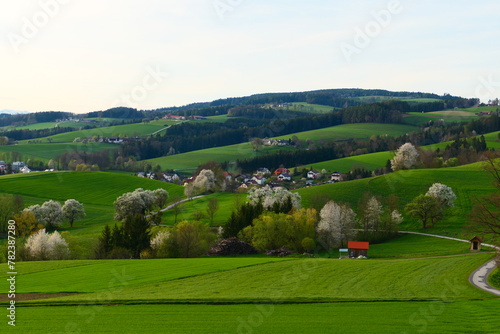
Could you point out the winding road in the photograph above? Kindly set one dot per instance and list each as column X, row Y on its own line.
column 479, row 278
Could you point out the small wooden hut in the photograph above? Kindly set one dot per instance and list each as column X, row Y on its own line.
column 475, row 243
column 357, row 248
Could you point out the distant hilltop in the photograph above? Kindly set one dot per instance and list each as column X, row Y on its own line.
column 13, row 112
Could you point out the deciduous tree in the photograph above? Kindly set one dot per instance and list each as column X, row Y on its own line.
column 426, row 208
column 73, row 210
column 337, row 222
column 406, row 157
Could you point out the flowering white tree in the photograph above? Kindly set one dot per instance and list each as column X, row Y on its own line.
column 336, row 224
column 205, row 181
column 442, row 193
column 139, row 202
column 49, row 214
column 372, row 214
column 270, row 196
column 406, row 157
column 160, row 240
column 44, row 246
column 396, row 217
column 72, row 210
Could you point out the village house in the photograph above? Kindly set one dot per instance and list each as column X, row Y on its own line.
column 17, row 165
column 25, row 169
column 171, row 178
column 336, row 177
column 3, row 166
column 275, row 142
column 313, row 174
column 284, row 177
column 228, row 176
column 260, row 180
column 279, row 171
column 174, row 117
column 262, row 172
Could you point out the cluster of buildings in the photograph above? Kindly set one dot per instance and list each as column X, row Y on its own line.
column 183, row 118
column 262, row 176
column 15, row 167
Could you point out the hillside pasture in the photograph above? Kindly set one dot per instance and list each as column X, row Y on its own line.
column 444, row 316
column 468, row 182
column 356, row 131
column 46, row 151
column 225, row 280
column 190, row 160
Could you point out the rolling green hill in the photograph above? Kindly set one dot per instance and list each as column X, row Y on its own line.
column 126, row 130
column 191, row 160
column 96, row 190
column 47, row 151
column 357, row 130
column 468, row 182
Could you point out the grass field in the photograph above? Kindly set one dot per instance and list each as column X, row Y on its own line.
column 467, row 182
column 227, row 202
column 215, row 295
column 384, row 317
column 191, row 160
column 96, row 190
column 357, row 130
column 47, row 151
column 126, row 130
column 225, row 280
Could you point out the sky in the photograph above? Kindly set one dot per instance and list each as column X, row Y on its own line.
column 87, row 55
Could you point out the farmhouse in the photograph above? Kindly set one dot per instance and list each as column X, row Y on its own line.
column 284, row 177
column 313, row 174
column 336, row 177
column 358, row 248
column 281, row 171
column 263, row 171
column 3, row 165
column 17, row 165
column 260, row 180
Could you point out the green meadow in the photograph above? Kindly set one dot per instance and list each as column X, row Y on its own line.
column 445, row 316
column 96, row 190
column 468, row 182
column 189, row 161
column 46, row 151
column 357, row 130
column 215, row 295
column 126, row 130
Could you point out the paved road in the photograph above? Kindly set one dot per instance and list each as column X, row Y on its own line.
column 478, row 278
column 179, row 202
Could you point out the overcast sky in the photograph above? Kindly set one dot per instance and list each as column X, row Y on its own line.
column 86, row 55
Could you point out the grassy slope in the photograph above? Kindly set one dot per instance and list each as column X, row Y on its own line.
column 393, row 317
column 226, row 280
column 357, row 130
column 467, row 182
column 126, row 130
column 227, row 202
column 377, row 160
column 190, row 160
column 48, row 151
column 96, row 190
column 93, row 276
